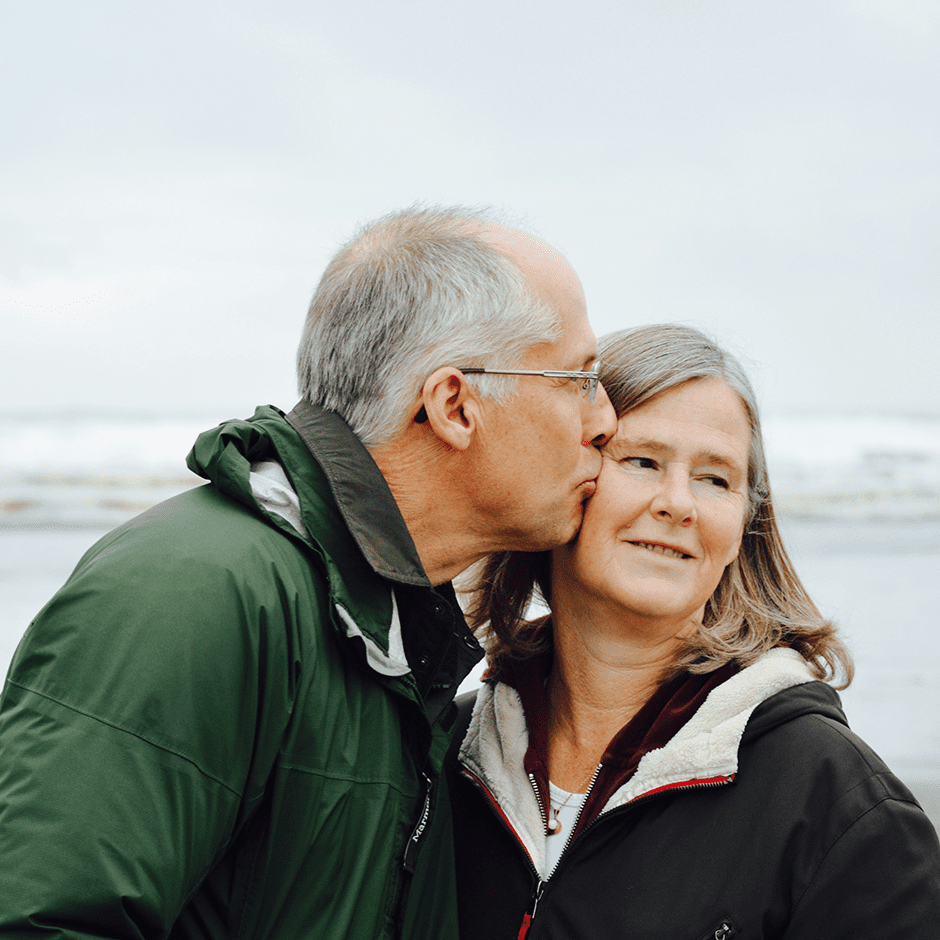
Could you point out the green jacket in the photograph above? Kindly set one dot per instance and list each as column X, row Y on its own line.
column 211, row 731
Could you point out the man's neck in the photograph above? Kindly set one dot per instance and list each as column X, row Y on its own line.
column 438, row 518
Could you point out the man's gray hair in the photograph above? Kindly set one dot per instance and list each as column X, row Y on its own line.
column 411, row 292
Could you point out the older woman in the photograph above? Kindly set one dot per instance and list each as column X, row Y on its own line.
column 663, row 756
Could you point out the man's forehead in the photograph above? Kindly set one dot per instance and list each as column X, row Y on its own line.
column 550, row 277
column 508, row 238
column 540, row 263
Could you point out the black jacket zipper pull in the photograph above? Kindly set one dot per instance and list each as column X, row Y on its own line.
column 527, row 920
column 411, row 853
column 723, row 930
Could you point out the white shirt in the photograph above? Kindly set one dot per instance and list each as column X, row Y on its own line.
column 570, row 806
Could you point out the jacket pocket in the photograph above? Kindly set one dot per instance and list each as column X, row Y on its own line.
column 724, row 929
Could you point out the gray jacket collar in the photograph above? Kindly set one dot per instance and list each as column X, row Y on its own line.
column 361, row 493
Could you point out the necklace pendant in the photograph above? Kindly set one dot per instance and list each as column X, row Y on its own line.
column 554, row 825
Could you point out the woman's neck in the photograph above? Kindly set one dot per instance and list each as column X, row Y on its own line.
column 601, row 677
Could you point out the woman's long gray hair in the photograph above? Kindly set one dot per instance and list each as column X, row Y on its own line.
column 760, row 602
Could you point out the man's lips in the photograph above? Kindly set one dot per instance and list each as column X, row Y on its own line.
column 588, row 488
column 661, row 548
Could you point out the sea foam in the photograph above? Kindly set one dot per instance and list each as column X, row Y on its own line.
column 98, row 471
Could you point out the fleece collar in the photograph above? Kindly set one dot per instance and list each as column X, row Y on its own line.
column 704, row 749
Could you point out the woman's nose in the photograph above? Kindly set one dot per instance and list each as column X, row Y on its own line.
column 674, row 501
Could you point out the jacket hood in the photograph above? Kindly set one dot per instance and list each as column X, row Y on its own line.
column 703, row 752
column 814, row 698
column 364, row 605
column 224, row 454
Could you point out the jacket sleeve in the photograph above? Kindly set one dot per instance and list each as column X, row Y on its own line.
column 137, row 727
column 880, row 878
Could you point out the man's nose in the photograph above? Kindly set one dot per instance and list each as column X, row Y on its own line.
column 600, row 419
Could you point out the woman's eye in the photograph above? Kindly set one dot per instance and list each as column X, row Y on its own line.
column 718, row 481
column 641, row 463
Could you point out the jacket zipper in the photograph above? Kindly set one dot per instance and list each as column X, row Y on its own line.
column 539, row 883
column 535, row 790
column 540, row 887
column 527, row 919
column 411, row 853
column 409, row 862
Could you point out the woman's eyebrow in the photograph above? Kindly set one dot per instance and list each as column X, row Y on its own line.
column 721, row 460
column 621, row 447
column 627, row 443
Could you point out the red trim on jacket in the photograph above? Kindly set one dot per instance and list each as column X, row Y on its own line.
column 485, row 790
column 686, row 785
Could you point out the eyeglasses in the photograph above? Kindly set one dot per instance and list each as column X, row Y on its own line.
column 588, row 380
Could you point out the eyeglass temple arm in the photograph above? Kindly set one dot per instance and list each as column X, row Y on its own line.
column 551, row 373
column 422, row 414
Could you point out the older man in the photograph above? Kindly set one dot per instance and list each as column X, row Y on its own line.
column 230, row 721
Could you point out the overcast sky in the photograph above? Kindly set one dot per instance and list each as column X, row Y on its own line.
column 174, row 176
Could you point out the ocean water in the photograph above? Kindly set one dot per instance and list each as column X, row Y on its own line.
column 95, row 470
column 860, row 512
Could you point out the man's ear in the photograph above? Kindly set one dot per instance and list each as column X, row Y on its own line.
column 450, row 407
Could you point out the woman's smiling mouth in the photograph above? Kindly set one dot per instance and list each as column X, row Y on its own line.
column 661, row 549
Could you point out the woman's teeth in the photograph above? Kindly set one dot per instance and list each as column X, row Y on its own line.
column 661, row 550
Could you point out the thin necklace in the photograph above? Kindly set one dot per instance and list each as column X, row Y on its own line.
column 554, row 823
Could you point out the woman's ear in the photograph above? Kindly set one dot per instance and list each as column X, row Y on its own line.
column 449, row 407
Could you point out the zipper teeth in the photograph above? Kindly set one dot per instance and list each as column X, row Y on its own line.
column 645, row 797
column 675, row 788
column 597, row 773
column 538, row 800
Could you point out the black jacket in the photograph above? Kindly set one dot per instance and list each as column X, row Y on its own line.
column 801, row 833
